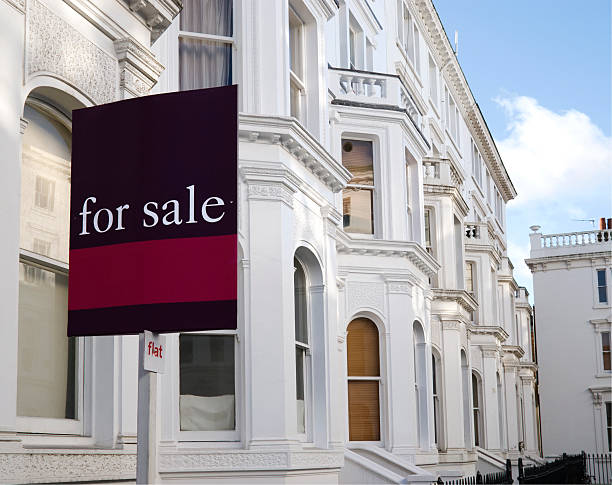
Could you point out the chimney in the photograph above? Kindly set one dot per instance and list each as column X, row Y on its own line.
column 609, row 223
column 602, row 223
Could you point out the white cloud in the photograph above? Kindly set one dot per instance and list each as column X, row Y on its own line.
column 553, row 156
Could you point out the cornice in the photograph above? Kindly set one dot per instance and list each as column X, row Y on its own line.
column 514, row 350
column 461, row 297
column 414, row 252
column 449, row 191
column 567, row 258
column 498, row 332
column 463, row 95
column 139, row 70
column 289, row 134
column 155, row 14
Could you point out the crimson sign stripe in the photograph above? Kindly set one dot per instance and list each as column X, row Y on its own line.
column 153, row 272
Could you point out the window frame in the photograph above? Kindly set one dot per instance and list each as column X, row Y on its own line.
column 408, row 38
column 598, row 287
column 477, row 411
column 296, row 82
column 307, row 363
column 43, row 425
column 602, row 351
column 186, row 34
column 211, row 436
column 376, row 228
column 380, row 379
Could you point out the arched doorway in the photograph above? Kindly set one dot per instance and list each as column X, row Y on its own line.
column 363, row 359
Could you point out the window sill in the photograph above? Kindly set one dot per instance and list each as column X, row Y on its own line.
column 453, row 142
column 67, row 442
column 604, row 375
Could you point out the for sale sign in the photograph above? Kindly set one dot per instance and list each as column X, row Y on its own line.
column 153, row 216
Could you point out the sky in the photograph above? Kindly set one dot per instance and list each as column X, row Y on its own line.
column 540, row 72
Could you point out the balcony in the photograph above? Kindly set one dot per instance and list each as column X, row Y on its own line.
column 593, row 241
column 442, row 171
column 372, row 89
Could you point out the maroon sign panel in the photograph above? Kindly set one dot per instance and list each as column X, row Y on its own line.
column 153, row 216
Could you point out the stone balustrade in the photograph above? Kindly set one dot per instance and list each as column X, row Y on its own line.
column 476, row 233
column 593, row 237
column 373, row 89
column 441, row 171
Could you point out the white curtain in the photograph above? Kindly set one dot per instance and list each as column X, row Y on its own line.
column 205, row 63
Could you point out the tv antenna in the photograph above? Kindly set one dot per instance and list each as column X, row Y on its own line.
column 592, row 221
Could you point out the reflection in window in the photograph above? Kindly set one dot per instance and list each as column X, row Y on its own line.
column 47, row 358
column 358, row 197
column 207, row 382
column 302, row 347
column 205, row 44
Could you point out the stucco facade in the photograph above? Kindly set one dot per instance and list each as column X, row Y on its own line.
column 573, row 318
column 453, row 382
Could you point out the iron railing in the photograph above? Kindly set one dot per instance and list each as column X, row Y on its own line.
column 599, row 468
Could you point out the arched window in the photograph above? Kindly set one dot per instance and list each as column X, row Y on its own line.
column 363, row 361
column 302, row 346
column 436, row 374
column 48, row 372
column 465, row 386
column 476, row 409
column 420, row 384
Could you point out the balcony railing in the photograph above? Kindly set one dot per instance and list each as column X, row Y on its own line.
column 372, row 88
column 441, row 171
column 593, row 237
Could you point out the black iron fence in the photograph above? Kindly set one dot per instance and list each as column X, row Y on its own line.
column 583, row 468
column 486, row 478
column 599, row 468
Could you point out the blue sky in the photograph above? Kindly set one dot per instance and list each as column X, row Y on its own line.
column 540, row 71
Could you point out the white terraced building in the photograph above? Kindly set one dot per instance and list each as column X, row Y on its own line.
column 571, row 282
column 381, row 334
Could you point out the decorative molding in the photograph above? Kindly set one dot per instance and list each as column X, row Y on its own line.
column 451, row 324
column 449, row 191
column 155, row 14
column 513, row 350
column 289, row 134
column 395, row 286
column 18, row 4
column 461, row 297
column 365, row 294
column 54, row 47
column 139, row 70
column 411, row 250
column 333, row 219
column 23, row 124
column 494, row 330
column 271, row 191
column 248, row 460
column 66, row 467
column 600, row 395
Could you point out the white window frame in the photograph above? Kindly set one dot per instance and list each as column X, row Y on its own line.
column 599, row 327
column 376, row 216
column 307, row 436
column 408, row 38
column 434, row 88
column 61, row 426
column 226, row 435
column 185, row 34
column 380, row 379
column 296, row 83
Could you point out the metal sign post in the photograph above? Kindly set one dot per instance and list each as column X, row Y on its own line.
column 151, row 360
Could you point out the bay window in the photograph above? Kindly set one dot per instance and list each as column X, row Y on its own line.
column 358, row 196
column 205, row 44
column 49, row 371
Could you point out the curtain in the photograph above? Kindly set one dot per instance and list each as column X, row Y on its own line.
column 205, row 63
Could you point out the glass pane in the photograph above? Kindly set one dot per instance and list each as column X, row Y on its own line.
column 299, row 287
column 299, row 386
column 357, row 158
column 476, row 428
column 296, row 101
column 433, row 374
column 45, row 185
column 204, row 64
column 606, row 361
column 364, row 418
column 362, row 349
column 601, row 277
column 207, row 389
column 469, row 284
column 474, row 391
column 46, row 369
column 295, row 44
column 207, row 17
column 358, row 211
column 605, row 340
column 603, row 297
